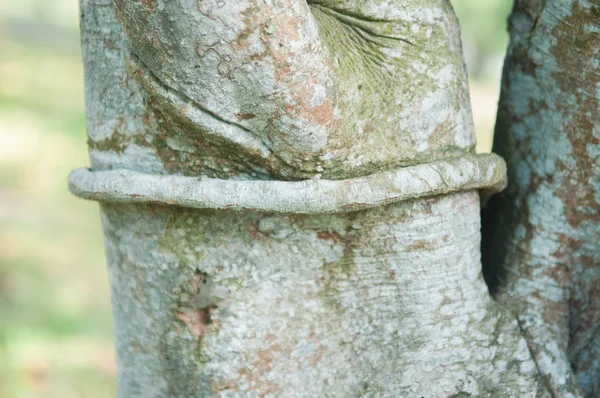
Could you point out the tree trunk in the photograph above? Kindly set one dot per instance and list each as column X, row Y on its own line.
column 541, row 235
column 290, row 201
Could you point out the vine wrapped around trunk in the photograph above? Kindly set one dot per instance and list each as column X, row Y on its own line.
column 290, row 201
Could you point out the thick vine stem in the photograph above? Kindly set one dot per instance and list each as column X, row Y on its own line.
column 486, row 172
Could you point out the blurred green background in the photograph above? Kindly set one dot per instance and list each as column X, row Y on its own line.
column 55, row 320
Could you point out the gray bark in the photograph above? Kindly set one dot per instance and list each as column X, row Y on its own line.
column 228, row 276
column 541, row 235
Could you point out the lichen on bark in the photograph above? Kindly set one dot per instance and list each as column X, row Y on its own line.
column 290, row 90
column 376, row 302
column 381, row 301
column 541, row 235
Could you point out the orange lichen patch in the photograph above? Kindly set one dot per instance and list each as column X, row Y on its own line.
column 556, row 315
column 156, row 41
column 271, row 338
column 111, row 45
column 227, row 385
column 289, row 74
column 585, row 308
column 139, row 73
column 422, row 244
column 260, row 368
column 369, row 127
column 150, row 4
column 287, row 26
column 256, row 233
column 198, row 279
column 244, row 41
column 442, row 133
column 574, row 55
column 245, row 116
column 315, row 358
column 337, row 238
column 302, row 94
column 198, row 321
column 117, row 142
column 256, row 373
column 323, row 114
column 561, row 273
column 576, row 192
column 568, row 246
column 332, row 236
column 266, row 358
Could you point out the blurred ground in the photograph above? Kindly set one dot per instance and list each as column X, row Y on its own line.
column 55, row 320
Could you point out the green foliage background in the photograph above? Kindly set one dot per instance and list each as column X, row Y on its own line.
column 55, row 322
column 483, row 22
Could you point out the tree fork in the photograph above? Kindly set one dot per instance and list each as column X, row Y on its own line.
column 285, row 105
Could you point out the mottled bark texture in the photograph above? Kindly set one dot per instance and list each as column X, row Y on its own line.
column 284, row 89
column 384, row 302
column 190, row 97
column 541, row 236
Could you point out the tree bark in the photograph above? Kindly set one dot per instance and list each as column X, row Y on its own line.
column 541, row 235
column 290, row 201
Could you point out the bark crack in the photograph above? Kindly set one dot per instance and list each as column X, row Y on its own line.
column 247, row 135
column 183, row 96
